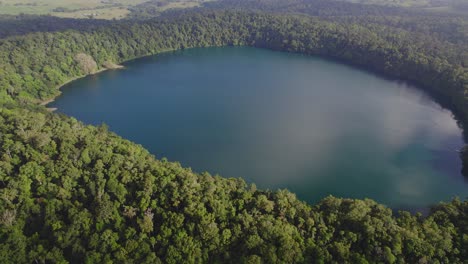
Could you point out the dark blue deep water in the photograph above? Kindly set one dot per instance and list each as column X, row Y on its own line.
column 281, row 120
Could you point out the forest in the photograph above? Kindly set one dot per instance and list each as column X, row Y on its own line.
column 77, row 193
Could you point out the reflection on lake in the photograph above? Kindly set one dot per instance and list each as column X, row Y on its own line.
column 281, row 120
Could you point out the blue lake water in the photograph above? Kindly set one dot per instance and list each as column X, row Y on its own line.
column 281, row 120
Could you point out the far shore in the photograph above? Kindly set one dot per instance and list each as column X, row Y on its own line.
column 109, row 66
column 106, row 66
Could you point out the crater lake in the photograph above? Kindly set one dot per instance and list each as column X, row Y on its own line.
column 281, row 121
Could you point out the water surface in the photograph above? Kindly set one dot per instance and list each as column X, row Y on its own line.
column 281, row 120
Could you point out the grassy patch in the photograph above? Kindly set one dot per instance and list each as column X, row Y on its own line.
column 452, row 6
column 182, row 4
column 105, row 9
column 101, row 13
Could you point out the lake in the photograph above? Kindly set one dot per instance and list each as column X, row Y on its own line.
column 280, row 120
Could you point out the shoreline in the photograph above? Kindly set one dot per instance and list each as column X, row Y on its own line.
column 59, row 87
column 105, row 67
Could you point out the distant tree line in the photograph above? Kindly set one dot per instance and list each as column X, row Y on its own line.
column 16, row 25
column 449, row 27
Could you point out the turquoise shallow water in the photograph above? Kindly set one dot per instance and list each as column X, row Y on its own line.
column 281, row 120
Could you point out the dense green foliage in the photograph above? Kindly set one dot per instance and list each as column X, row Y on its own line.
column 79, row 193
column 448, row 27
column 24, row 24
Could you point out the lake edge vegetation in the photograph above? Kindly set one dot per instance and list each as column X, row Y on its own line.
column 76, row 193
